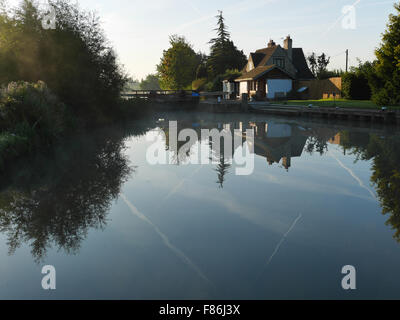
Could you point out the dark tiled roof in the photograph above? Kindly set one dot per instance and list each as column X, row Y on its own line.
column 255, row 73
column 300, row 63
column 257, row 58
column 267, row 53
column 258, row 72
column 261, row 57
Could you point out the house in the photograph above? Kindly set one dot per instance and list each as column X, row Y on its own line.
column 270, row 72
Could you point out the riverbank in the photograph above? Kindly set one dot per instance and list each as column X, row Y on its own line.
column 341, row 103
column 390, row 115
column 364, row 115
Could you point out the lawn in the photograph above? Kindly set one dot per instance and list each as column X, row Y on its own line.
column 342, row 103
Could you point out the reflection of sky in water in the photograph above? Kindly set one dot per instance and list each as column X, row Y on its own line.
column 173, row 233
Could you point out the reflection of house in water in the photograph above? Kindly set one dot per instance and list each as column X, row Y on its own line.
column 274, row 141
column 277, row 142
column 336, row 139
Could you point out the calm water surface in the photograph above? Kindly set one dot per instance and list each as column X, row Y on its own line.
column 322, row 196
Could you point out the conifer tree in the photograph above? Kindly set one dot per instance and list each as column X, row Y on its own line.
column 386, row 83
column 224, row 54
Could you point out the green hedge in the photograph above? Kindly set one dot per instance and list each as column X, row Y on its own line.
column 355, row 86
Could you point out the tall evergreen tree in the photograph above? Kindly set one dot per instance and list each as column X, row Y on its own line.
column 386, row 84
column 222, row 32
column 224, row 54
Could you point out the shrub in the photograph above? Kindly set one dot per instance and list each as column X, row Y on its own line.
column 199, row 84
column 11, row 146
column 31, row 109
column 75, row 59
column 355, row 86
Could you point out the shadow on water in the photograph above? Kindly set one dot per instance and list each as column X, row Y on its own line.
column 54, row 199
column 384, row 152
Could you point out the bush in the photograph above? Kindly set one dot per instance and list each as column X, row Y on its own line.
column 199, row 84
column 355, row 86
column 75, row 59
column 31, row 109
column 11, row 146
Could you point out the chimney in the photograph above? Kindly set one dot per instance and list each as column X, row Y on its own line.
column 271, row 43
column 286, row 162
column 288, row 45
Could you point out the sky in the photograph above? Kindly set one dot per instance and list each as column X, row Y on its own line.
column 139, row 30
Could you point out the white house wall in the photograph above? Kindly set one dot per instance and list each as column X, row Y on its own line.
column 243, row 87
column 278, row 130
column 225, row 86
column 278, row 85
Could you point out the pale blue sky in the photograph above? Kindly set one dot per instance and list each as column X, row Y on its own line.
column 139, row 30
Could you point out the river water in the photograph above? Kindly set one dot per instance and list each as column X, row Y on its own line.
column 115, row 226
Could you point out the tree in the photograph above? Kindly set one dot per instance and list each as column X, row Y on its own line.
column 150, row 83
column 224, row 55
column 323, row 62
column 355, row 84
column 73, row 59
column 318, row 64
column 201, row 71
column 386, row 83
column 178, row 65
column 312, row 62
column 216, row 83
column 132, row 85
column 222, row 33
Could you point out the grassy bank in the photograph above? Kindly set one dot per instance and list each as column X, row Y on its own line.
column 342, row 103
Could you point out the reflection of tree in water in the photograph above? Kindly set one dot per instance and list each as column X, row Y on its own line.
column 385, row 155
column 178, row 154
column 316, row 144
column 222, row 170
column 318, row 139
column 57, row 199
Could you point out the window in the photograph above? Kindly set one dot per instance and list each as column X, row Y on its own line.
column 252, row 85
column 280, row 62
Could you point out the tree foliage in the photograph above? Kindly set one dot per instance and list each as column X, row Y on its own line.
column 386, row 84
column 222, row 31
column 178, row 65
column 355, row 84
column 74, row 59
column 223, row 53
column 150, row 83
column 318, row 64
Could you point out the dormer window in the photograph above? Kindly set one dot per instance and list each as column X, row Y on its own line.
column 280, row 62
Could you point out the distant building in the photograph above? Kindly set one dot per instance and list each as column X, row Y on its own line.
column 270, row 72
